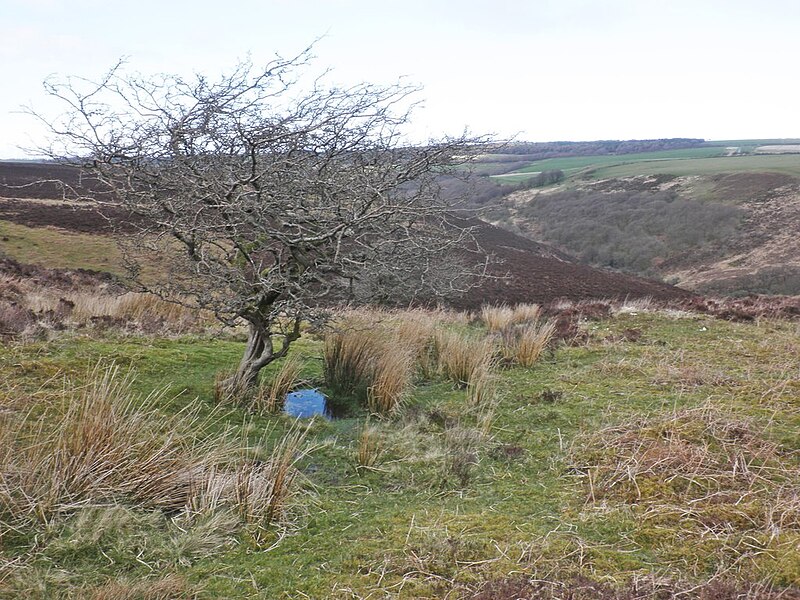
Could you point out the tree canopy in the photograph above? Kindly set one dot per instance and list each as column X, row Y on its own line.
column 268, row 199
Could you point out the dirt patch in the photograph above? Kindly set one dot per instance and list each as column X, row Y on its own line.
column 41, row 180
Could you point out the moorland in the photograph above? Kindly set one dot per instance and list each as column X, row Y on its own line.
column 567, row 431
column 713, row 217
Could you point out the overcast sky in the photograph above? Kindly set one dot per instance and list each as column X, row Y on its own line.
column 542, row 70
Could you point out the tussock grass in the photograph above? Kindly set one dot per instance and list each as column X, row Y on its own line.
column 527, row 313
column 634, row 306
column 132, row 306
column 348, row 355
column 463, row 358
column 81, row 307
column 374, row 356
column 499, row 318
column 481, row 388
column 392, row 378
column 109, row 445
column 524, row 344
column 262, row 492
column 369, row 447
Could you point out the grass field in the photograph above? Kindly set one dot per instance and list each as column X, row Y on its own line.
column 787, row 164
column 56, row 248
column 691, row 161
column 574, row 164
column 445, row 510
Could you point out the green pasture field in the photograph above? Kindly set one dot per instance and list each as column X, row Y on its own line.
column 572, row 164
column 692, row 161
column 788, row 164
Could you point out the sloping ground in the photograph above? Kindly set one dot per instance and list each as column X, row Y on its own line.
column 764, row 256
column 528, row 271
column 537, row 273
column 729, row 233
column 63, row 215
column 42, row 180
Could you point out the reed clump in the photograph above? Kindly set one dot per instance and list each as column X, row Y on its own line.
column 105, row 444
column 524, row 344
column 461, row 358
column 502, row 317
column 375, row 360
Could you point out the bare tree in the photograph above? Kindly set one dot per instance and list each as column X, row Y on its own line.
column 268, row 200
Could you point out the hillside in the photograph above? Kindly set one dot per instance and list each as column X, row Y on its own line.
column 533, row 272
column 61, row 234
column 709, row 223
column 639, row 446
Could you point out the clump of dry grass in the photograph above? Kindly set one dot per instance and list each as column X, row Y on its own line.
column 524, row 344
column 527, row 313
column 375, row 355
column 348, row 356
column 462, row 358
column 374, row 360
column 634, row 306
column 97, row 307
column 414, row 330
column 369, row 446
column 481, row 388
column 261, row 491
column 106, row 445
column 391, row 378
column 499, row 318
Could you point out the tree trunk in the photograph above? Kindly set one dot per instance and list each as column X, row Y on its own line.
column 260, row 351
column 257, row 355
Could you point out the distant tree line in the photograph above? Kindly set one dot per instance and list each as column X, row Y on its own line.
column 543, row 179
column 540, row 150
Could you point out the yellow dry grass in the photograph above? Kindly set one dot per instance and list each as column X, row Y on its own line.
column 105, row 445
